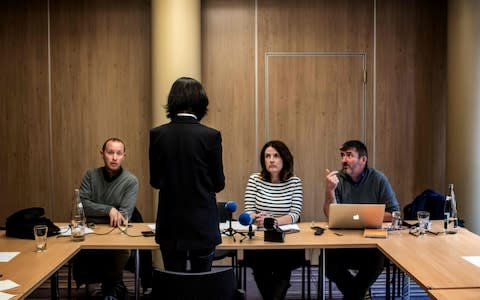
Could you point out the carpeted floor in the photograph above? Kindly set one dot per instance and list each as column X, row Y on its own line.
column 295, row 292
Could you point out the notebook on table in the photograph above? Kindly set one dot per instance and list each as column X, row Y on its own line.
column 355, row 216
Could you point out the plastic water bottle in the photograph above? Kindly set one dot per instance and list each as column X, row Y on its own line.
column 450, row 221
column 78, row 219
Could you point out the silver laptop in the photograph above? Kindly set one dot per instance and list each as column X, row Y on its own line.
column 356, row 216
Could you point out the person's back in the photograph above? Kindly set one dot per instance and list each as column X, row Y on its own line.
column 188, row 153
column 186, row 166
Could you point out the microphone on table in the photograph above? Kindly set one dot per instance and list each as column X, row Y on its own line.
column 273, row 233
column 246, row 220
column 230, row 208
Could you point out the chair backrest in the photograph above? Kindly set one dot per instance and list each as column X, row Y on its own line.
column 217, row 284
column 136, row 216
column 223, row 214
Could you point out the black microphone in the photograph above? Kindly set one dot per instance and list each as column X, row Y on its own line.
column 270, row 223
column 272, row 232
column 246, row 220
column 230, row 208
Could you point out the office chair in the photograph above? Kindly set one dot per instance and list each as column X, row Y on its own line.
column 219, row 284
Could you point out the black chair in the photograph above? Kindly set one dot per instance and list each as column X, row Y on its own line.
column 218, row 284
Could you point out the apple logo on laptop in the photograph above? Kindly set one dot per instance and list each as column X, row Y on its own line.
column 356, row 217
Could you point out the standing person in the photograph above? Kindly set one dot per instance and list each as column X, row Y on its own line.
column 274, row 192
column 105, row 192
column 186, row 166
column 356, row 183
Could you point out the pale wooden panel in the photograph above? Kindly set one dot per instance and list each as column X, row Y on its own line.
column 228, row 74
column 101, row 88
column 24, row 134
column 411, row 95
column 315, row 103
column 315, row 27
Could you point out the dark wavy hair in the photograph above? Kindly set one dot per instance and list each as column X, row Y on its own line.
column 187, row 95
column 358, row 146
column 287, row 158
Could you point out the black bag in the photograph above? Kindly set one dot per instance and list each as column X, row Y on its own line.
column 428, row 200
column 20, row 224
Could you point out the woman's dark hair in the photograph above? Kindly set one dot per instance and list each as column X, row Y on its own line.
column 187, row 95
column 287, row 158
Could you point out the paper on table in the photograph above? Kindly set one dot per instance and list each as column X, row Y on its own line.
column 65, row 231
column 473, row 259
column 7, row 284
column 5, row 296
column 152, row 227
column 236, row 226
column 7, row 256
column 290, row 228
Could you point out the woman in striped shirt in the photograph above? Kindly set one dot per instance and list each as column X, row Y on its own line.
column 276, row 193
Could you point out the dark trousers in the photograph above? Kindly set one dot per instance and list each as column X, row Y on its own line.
column 104, row 266
column 176, row 260
column 367, row 263
column 272, row 270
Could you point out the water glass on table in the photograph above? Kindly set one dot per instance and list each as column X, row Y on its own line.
column 423, row 221
column 40, row 232
column 396, row 220
column 123, row 224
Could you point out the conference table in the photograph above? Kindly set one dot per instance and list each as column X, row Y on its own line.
column 435, row 262
column 449, row 294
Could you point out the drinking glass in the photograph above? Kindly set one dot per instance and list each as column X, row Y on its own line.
column 40, row 232
column 396, row 220
column 423, row 221
column 123, row 224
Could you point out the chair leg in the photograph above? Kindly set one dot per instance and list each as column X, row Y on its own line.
column 321, row 266
column 54, row 289
column 387, row 279
column 303, row 282
column 330, row 288
column 69, row 278
column 309, row 271
column 394, row 281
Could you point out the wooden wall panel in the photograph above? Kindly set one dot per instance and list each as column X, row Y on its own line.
column 405, row 119
column 228, row 74
column 24, row 110
column 315, row 103
column 332, row 29
column 101, row 88
column 411, row 95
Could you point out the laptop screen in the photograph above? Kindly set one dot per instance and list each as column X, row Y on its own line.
column 356, row 216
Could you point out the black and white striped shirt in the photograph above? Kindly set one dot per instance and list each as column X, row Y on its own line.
column 277, row 199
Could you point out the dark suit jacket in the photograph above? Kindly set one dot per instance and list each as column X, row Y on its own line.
column 186, row 166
